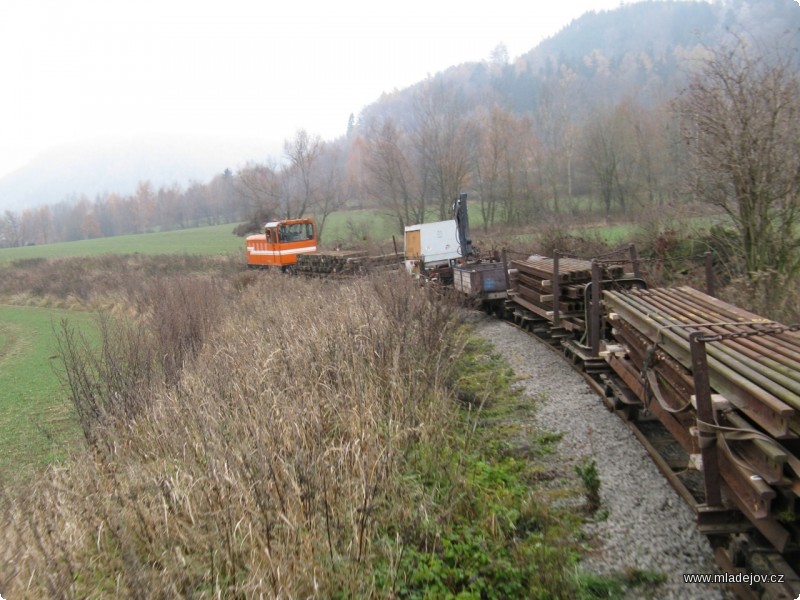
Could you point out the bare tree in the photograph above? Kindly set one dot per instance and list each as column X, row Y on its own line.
column 258, row 184
column 328, row 184
column 172, row 210
column 37, row 225
column 558, row 133
column 612, row 153
column 197, row 201
column 602, row 155
column 10, row 229
column 145, row 205
column 444, row 140
column 259, row 190
column 222, row 192
column 741, row 121
column 303, row 152
column 389, row 176
column 501, row 166
column 652, row 141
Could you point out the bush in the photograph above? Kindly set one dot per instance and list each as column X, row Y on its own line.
column 767, row 293
column 114, row 380
column 102, row 281
column 590, row 478
column 310, row 445
column 264, row 469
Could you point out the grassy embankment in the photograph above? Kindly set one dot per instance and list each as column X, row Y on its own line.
column 35, row 296
column 44, row 276
column 309, row 441
column 33, row 412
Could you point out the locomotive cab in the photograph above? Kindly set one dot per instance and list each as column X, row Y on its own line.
column 280, row 244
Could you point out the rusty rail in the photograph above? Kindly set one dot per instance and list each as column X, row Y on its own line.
column 726, row 384
column 552, row 289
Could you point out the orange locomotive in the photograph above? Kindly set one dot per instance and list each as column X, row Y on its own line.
column 280, row 244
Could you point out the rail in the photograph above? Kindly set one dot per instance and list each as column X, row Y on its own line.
column 723, row 382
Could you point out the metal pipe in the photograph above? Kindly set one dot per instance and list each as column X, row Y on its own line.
column 734, row 312
column 504, row 258
column 726, row 357
column 595, row 322
column 770, row 345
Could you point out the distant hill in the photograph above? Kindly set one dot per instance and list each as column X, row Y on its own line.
column 642, row 49
column 639, row 50
column 118, row 165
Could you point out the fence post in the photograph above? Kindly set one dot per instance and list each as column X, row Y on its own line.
column 705, row 414
column 595, row 324
column 635, row 261
column 556, row 290
column 504, row 258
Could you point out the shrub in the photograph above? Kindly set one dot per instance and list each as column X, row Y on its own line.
column 102, row 280
column 264, row 470
column 114, row 380
column 311, row 446
column 590, row 478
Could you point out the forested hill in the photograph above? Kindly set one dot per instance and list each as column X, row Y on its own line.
column 639, row 50
column 592, row 93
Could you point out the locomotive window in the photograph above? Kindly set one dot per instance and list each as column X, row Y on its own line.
column 297, row 232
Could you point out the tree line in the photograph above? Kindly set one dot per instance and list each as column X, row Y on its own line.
column 730, row 138
column 307, row 181
column 111, row 214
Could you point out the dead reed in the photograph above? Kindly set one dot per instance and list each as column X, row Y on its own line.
column 262, row 466
column 102, row 281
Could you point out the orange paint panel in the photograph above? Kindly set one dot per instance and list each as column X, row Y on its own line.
column 268, row 249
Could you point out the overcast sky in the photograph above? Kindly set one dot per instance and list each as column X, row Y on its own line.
column 75, row 70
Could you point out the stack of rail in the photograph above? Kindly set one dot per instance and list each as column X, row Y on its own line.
column 344, row 262
column 754, row 373
column 535, row 282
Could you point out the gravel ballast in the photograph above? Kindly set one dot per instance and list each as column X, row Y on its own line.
column 648, row 526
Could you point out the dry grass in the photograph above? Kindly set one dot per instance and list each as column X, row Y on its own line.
column 766, row 293
column 264, row 469
column 106, row 282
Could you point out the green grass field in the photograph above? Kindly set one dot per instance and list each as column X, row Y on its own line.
column 353, row 226
column 216, row 239
column 342, row 227
column 36, row 419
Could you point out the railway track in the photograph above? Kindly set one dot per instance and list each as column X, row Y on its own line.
column 725, row 431
column 634, row 347
column 738, row 547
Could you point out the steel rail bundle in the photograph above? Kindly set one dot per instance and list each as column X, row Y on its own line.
column 725, row 383
column 553, row 288
column 758, row 383
column 722, row 384
column 344, row 262
column 560, row 298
